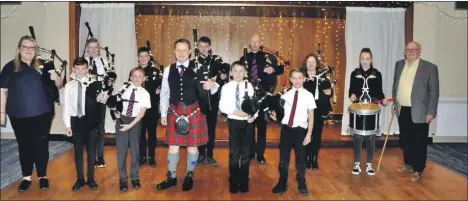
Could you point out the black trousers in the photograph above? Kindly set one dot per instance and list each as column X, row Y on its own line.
column 83, row 137
column 314, row 146
column 33, row 144
column 240, row 137
column 149, row 125
column 261, row 124
column 292, row 137
column 211, row 119
column 413, row 140
column 101, row 129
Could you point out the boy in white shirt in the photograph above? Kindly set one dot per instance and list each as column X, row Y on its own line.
column 296, row 131
column 80, row 116
column 128, row 129
column 240, row 127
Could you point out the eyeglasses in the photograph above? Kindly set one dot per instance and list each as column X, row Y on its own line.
column 412, row 50
column 31, row 48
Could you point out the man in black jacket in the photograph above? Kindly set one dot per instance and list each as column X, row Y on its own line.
column 213, row 63
column 152, row 84
column 263, row 69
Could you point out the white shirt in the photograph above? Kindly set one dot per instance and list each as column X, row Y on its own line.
column 101, row 68
column 166, row 92
column 70, row 104
column 227, row 103
column 141, row 96
column 305, row 102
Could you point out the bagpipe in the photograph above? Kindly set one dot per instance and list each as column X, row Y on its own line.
column 109, row 76
column 156, row 71
column 263, row 99
column 202, row 74
column 115, row 102
column 47, row 67
column 326, row 71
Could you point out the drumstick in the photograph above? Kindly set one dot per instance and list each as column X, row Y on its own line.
column 386, row 138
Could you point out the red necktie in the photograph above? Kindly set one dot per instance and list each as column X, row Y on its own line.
column 293, row 110
column 130, row 103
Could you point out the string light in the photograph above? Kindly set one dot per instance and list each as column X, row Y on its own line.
column 163, row 28
column 13, row 12
column 445, row 13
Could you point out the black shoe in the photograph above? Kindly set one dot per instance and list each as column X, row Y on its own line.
column 43, row 183
column 261, row 159
column 244, row 187
column 123, row 186
column 302, row 187
column 233, row 185
column 152, row 162
column 24, row 185
column 142, row 160
column 201, row 160
column 92, row 184
column 169, row 182
column 188, row 181
column 280, row 187
column 78, row 184
column 136, row 184
column 308, row 162
column 101, row 163
column 211, row 161
column 315, row 162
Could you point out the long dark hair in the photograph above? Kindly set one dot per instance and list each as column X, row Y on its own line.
column 365, row 50
column 303, row 66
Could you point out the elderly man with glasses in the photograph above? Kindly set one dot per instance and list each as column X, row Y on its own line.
column 416, row 88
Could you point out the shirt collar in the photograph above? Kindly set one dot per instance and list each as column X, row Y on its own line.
column 134, row 87
column 82, row 80
column 414, row 62
column 186, row 63
column 293, row 89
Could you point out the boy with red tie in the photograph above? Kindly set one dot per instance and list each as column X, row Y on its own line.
column 296, row 131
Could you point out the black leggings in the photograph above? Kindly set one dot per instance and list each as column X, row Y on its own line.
column 33, row 144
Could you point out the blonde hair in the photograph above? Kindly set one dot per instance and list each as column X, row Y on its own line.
column 17, row 59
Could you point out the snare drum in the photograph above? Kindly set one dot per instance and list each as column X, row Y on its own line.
column 364, row 118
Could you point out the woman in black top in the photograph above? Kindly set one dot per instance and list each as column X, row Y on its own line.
column 322, row 95
column 27, row 100
column 365, row 70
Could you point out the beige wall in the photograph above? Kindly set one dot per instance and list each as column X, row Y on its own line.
column 50, row 21
column 444, row 42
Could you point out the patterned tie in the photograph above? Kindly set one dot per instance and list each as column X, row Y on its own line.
column 80, row 104
column 181, row 72
column 130, row 103
column 253, row 71
column 238, row 105
column 293, row 110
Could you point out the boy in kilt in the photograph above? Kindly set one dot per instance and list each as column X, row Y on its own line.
column 181, row 97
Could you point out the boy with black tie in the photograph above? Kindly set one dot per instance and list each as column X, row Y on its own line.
column 80, row 117
column 296, row 131
column 240, row 126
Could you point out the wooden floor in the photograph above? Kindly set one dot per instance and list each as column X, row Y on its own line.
column 333, row 181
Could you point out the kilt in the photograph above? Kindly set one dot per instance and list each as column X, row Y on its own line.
column 198, row 134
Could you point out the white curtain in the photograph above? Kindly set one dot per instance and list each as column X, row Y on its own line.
column 114, row 26
column 381, row 30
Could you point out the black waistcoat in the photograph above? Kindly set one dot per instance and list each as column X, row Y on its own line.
column 183, row 88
